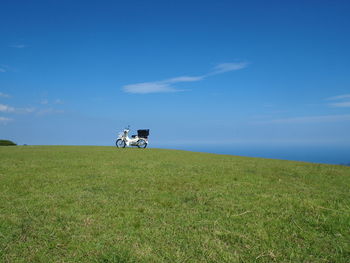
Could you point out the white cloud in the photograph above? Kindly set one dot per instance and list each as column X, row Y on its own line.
column 4, row 120
column 312, row 119
column 340, row 97
column 226, row 67
column 340, row 104
column 18, row 46
column 148, row 87
column 24, row 110
column 58, row 101
column 44, row 102
column 43, row 111
column 168, row 84
column 9, row 109
column 184, row 79
column 47, row 102
column 49, row 111
column 159, row 86
column 6, row 108
column 4, row 68
column 4, row 95
column 343, row 101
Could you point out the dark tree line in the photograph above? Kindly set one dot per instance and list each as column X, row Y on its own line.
column 7, row 143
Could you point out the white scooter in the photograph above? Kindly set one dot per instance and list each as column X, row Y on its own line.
column 140, row 140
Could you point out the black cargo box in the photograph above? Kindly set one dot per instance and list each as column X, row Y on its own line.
column 143, row 133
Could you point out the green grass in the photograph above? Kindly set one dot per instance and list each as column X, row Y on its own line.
column 103, row 204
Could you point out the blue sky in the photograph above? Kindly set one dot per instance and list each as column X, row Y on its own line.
column 193, row 72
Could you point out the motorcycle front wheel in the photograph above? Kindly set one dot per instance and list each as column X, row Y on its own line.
column 142, row 143
column 120, row 143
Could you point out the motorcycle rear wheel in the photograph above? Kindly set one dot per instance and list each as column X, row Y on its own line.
column 141, row 143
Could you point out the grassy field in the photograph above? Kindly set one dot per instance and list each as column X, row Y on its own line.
column 103, row 204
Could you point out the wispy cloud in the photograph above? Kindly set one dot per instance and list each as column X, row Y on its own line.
column 6, row 68
column 9, row 109
column 344, row 104
column 49, row 111
column 3, row 68
column 149, row 87
column 185, row 79
column 44, row 102
column 58, row 101
column 340, row 97
column 4, row 95
column 47, row 102
column 341, row 101
column 18, row 46
column 226, row 67
column 6, row 108
column 25, row 110
column 167, row 85
column 159, row 86
column 4, row 120
column 311, row 119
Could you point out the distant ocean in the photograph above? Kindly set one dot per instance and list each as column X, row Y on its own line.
column 315, row 154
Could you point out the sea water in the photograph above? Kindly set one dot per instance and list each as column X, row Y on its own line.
column 314, row 153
